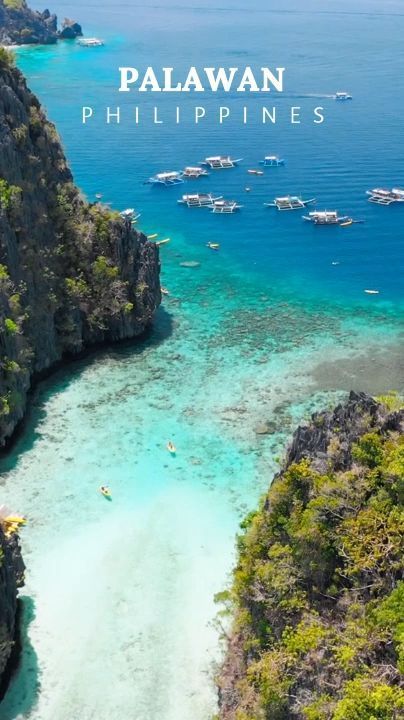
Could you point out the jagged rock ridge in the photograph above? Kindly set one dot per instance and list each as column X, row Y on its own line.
column 318, row 592
column 71, row 274
column 19, row 25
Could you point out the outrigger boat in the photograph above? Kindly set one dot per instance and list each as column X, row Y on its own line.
column 193, row 173
column 272, row 161
column 342, row 96
column 290, row 202
column 130, row 214
column 90, row 42
column 199, row 200
column 381, row 196
column 167, row 178
column 213, row 246
column 225, row 206
column 326, row 217
column 220, row 162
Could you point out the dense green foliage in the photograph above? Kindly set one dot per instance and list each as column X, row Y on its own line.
column 318, row 591
column 6, row 58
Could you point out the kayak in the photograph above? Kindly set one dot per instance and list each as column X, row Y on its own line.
column 171, row 448
column 106, row 493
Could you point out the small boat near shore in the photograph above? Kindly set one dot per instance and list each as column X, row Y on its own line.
column 383, row 196
column 272, row 161
column 167, row 178
column 342, row 96
column 130, row 214
column 221, row 162
column 372, row 292
column 213, row 246
column 255, row 172
column 326, row 217
column 199, row 200
column 193, row 173
column 90, row 42
column 225, row 207
column 290, row 202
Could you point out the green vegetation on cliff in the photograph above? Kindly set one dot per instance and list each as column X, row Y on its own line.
column 318, row 592
column 72, row 274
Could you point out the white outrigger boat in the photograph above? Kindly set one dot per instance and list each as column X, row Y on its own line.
column 130, row 214
column 290, row 202
column 167, row 178
column 381, row 196
column 90, row 42
column 199, row 200
column 225, row 206
column 221, row 162
column 194, row 172
column 272, row 161
column 342, row 96
column 326, row 217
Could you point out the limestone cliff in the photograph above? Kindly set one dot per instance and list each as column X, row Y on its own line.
column 21, row 25
column 318, row 591
column 11, row 578
column 71, row 274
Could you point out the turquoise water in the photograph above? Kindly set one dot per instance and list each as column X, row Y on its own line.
column 119, row 611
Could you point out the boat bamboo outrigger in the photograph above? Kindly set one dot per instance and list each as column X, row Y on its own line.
column 220, row 162
column 199, row 200
column 167, row 178
column 192, row 173
column 382, row 196
column 290, row 202
column 272, row 161
column 225, row 206
column 342, row 96
column 326, row 217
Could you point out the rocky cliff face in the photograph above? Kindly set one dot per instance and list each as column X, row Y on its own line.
column 71, row 274
column 20, row 25
column 317, row 596
column 11, row 578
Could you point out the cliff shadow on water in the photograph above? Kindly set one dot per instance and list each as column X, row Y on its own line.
column 23, row 663
column 67, row 371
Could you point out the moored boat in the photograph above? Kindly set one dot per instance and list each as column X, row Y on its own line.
column 90, row 42
column 199, row 200
column 290, row 202
column 326, row 217
column 255, row 172
column 192, row 173
column 383, row 196
column 272, row 161
column 342, row 96
column 167, row 178
column 130, row 214
column 225, row 206
column 220, row 162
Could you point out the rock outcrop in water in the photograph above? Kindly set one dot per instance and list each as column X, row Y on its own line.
column 72, row 274
column 19, row 25
column 318, row 591
column 11, row 578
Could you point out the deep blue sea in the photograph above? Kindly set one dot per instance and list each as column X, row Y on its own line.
column 119, row 611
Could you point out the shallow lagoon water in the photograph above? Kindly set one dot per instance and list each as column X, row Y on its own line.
column 119, row 604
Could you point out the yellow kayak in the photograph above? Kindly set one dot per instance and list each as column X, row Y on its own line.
column 152, row 237
column 106, row 492
column 15, row 520
column 171, row 448
column 163, row 242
